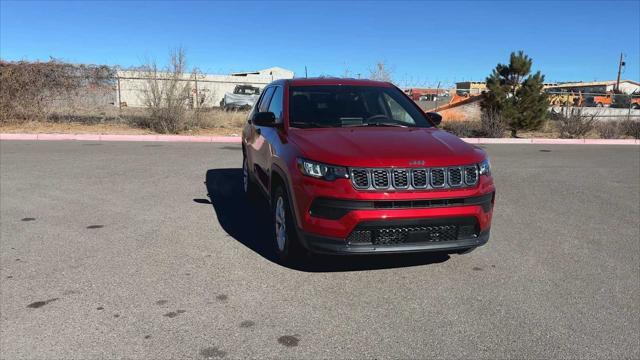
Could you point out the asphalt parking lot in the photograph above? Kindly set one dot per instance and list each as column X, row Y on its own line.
column 112, row 250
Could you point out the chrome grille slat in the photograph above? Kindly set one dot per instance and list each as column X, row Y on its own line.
column 414, row 178
column 360, row 178
column 419, row 178
column 470, row 175
column 438, row 178
column 400, row 178
column 454, row 176
column 380, row 178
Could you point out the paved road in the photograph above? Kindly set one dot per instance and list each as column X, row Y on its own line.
column 114, row 250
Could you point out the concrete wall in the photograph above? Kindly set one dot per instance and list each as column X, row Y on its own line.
column 210, row 88
column 603, row 114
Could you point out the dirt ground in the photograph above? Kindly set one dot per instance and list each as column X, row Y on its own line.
column 35, row 127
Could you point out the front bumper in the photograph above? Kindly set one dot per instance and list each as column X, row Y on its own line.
column 325, row 245
column 329, row 213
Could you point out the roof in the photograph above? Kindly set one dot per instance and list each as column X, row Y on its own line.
column 593, row 83
column 265, row 72
column 336, row 81
column 427, row 91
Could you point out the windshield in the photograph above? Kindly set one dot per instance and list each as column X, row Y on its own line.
column 352, row 106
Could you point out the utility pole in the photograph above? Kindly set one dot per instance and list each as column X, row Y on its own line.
column 305, row 71
column 437, row 95
column 620, row 65
column 197, row 102
column 119, row 96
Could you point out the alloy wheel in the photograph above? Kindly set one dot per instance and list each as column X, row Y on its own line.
column 280, row 223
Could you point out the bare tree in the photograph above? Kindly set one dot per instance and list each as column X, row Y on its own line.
column 167, row 93
column 346, row 70
column 381, row 72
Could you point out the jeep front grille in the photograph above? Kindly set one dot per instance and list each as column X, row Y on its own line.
column 426, row 231
column 414, row 179
column 407, row 234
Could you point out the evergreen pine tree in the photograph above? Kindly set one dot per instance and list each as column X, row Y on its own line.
column 516, row 94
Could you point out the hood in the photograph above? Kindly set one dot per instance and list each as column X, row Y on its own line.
column 384, row 147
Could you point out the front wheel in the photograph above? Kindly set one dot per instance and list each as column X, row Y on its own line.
column 286, row 241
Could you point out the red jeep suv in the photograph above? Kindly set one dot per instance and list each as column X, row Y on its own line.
column 356, row 167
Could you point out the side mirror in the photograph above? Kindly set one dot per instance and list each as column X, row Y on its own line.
column 434, row 117
column 266, row 118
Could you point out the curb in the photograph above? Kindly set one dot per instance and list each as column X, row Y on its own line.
column 98, row 137
column 553, row 141
column 236, row 139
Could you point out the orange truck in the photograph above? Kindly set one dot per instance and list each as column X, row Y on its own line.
column 607, row 100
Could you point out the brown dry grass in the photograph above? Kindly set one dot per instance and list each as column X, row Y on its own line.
column 216, row 122
column 127, row 121
column 35, row 127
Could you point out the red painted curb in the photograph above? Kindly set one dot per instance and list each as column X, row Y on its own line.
column 98, row 137
column 18, row 136
column 236, row 139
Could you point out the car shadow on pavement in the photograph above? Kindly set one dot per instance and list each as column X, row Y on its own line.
column 249, row 222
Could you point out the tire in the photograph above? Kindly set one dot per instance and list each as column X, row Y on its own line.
column 285, row 239
column 248, row 184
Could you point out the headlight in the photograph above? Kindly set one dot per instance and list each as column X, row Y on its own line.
column 321, row 171
column 485, row 167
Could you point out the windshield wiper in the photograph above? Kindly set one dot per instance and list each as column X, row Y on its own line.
column 388, row 124
column 304, row 125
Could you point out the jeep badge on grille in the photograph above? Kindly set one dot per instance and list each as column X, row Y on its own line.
column 416, row 162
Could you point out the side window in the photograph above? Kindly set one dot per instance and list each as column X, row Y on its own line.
column 276, row 104
column 266, row 98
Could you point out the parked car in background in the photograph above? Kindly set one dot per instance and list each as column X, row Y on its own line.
column 356, row 167
column 242, row 98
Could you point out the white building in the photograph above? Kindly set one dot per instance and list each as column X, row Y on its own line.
column 598, row 87
column 210, row 89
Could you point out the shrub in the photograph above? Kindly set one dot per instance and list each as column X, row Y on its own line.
column 608, row 129
column 35, row 90
column 575, row 124
column 492, row 124
column 631, row 127
column 462, row 128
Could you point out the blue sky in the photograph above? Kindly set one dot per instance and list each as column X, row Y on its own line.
column 422, row 42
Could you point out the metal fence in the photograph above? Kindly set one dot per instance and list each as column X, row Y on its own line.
column 606, row 106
